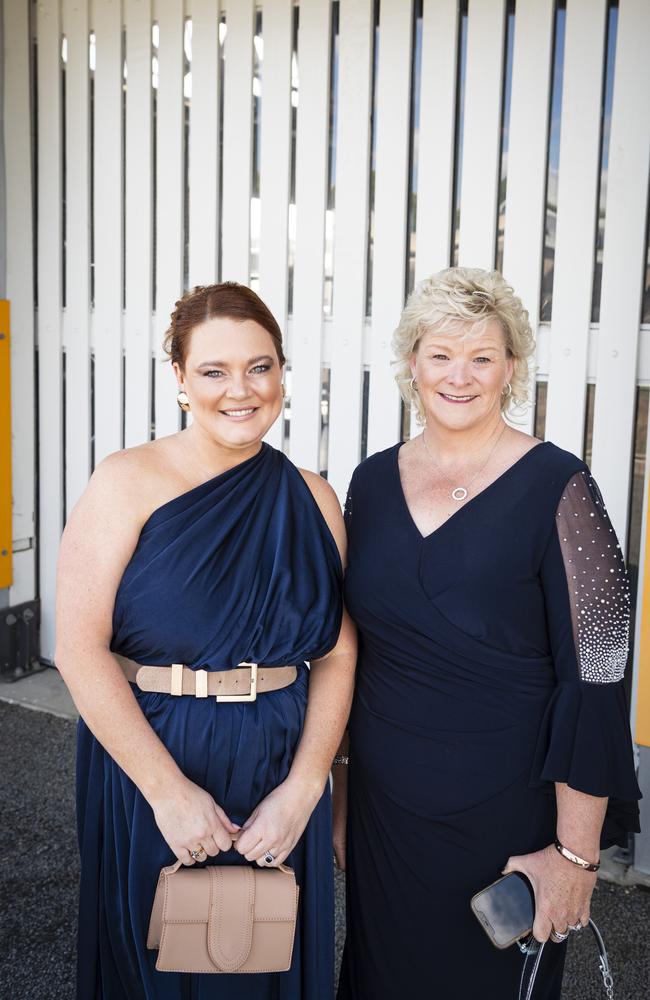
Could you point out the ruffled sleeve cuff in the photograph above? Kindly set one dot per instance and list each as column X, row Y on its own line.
column 584, row 741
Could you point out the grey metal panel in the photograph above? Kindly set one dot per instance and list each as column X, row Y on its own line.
column 642, row 840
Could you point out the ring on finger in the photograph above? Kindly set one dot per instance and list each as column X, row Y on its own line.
column 558, row 936
column 575, row 927
column 200, row 854
column 268, row 858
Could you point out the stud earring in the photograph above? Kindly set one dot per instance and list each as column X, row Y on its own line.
column 183, row 400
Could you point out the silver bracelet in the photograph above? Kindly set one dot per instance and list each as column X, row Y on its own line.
column 341, row 759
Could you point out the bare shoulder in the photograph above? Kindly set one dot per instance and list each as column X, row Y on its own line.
column 129, row 482
column 520, row 442
column 329, row 506
column 322, row 493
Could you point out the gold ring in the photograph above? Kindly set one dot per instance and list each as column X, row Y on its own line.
column 196, row 855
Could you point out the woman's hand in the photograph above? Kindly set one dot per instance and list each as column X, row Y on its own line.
column 276, row 825
column 189, row 818
column 562, row 890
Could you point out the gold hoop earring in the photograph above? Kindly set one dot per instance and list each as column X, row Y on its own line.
column 507, row 390
column 413, row 384
column 183, row 400
column 283, row 390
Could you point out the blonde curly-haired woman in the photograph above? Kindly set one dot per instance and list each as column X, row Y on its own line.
column 489, row 718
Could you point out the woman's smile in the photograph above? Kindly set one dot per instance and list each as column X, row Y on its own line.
column 239, row 413
column 456, row 399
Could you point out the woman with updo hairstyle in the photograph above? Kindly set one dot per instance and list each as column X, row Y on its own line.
column 489, row 731
column 212, row 562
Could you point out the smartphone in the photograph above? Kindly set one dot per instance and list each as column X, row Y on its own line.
column 505, row 909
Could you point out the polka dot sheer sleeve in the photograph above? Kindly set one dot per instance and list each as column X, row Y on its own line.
column 584, row 739
column 599, row 595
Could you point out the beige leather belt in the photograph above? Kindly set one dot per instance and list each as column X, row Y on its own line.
column 243, row 683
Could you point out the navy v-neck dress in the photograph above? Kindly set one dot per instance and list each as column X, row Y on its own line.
column 241, row 568
column 491, row 660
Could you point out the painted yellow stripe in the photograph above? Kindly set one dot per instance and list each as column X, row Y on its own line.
column 642, row 734
column 5, row 448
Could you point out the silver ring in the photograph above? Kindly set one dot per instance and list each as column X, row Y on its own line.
column 268, row 858
column 196, row 855
column 558, row 937
column 575, row 927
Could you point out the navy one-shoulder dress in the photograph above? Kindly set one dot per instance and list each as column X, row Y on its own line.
column 242, row 567
column 491, row 658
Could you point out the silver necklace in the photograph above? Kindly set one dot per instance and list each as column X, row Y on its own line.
column 460, row 493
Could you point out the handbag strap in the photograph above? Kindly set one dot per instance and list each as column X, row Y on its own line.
column 172, row 869
column 533, row 951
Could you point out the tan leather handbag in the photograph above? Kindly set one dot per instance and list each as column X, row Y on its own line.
column 222, row 918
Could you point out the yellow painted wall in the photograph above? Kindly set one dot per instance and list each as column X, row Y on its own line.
column 642, row 734
column 5, row 448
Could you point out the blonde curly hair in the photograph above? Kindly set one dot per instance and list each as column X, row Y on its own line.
column 464, row 300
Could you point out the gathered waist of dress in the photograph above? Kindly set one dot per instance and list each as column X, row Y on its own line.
column 425, row 658
column 241, row 683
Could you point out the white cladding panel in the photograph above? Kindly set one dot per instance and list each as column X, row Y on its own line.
column 623, row 271
column 237, row 142
column 311, row 181
column 352, row 150
column 391, row 190
column 50, row 383
column 76, row 327
column 480, row 172
column 108, row 229
column 527, row 151
column 275, row 167
column 576, row 221
column 138, row 268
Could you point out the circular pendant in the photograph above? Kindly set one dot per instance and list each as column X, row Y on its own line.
column 460, row 493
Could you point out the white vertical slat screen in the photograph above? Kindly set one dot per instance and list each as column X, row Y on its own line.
column 352, row 153
column 127, row 323
column 76, row 327
column 237, row 141
column 50, row 395
column 576, row 221
column 139, row 222
column 20, row 292
column 436, row 136
column 391, row 189
column 480, row 173
column 275, row 166
column 204, row 144
column 169, row 202
column 311, row 179
column 527, row 148
column 623, row 270
column 107, row 25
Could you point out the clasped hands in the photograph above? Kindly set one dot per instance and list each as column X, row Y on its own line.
column 189, row 819
column 562, row 892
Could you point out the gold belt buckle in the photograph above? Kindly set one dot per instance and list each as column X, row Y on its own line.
column 252, row 694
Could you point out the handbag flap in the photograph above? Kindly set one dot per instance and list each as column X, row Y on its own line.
column 187, row 896
column 276, row 895
column 230, row 921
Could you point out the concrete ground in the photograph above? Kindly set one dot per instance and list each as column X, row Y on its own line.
column 39, row 868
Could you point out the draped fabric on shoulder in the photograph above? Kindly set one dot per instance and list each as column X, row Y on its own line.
column 481, row 680
column 242, row 567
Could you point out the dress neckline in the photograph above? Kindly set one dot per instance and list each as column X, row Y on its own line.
column 470, row 502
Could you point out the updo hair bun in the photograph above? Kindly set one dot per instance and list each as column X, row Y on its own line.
column 204, row 302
